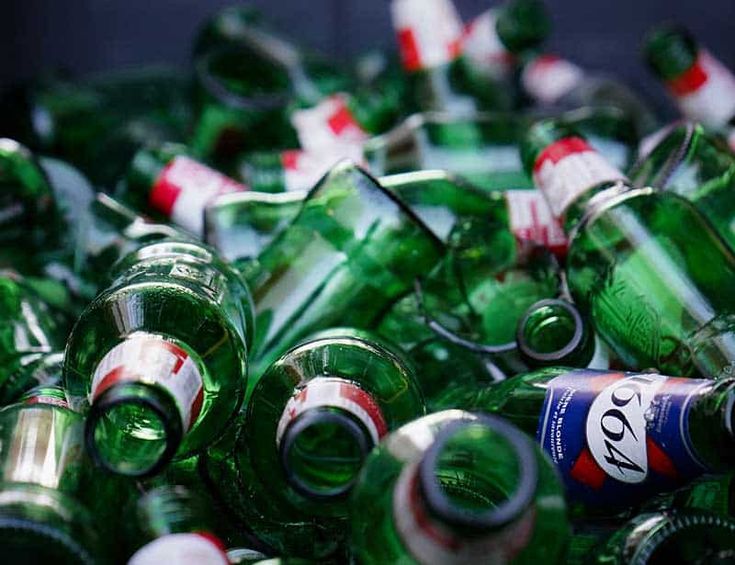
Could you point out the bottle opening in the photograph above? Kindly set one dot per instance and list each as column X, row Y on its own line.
column 133, row 429
column 550, row 331
column 479, row 475
column 322, row 451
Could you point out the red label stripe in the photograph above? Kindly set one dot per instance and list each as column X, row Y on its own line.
column 164, row 193
column 586, row 471
column 424, row 522
column 409, row 49
column 290, row 159
column 342, row 119
column 561, row 149
column 690, row 80
column 366, row 402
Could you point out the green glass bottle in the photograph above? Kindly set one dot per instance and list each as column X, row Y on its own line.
column 711, row 493
column 158, row 360
column 670, row 537
column 31, row 335
column 429, row 35
column 554, row 332
column 553, row 82
column 458, row 487
column 309, row 424
column 653, row 289
column 166, row 180
column 172, row 523
column 617, row 438
column 43, row 515
column 698, row 166
column 351, row 251
column 495, row 40
column 98, row 123
column 703, row 88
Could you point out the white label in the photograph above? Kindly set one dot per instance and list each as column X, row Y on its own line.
column 180, row 549
column 548, row 78
column 337, row 393
column 185, row 187
column 483, row 47
column 567, row 169
column 706, row 93
column 616, row 427
column 303, row 169
column 531, row 220
column 152, row 359
column 432, row 543
column 429, row 32
column 327, row 124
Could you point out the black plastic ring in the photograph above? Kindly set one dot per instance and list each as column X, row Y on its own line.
column 501, row 515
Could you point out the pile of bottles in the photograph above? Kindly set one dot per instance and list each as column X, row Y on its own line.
column 468, row 303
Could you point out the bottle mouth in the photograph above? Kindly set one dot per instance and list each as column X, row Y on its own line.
column 550, row 331
column 133, row 429
column 478, row 475
column 322, row 451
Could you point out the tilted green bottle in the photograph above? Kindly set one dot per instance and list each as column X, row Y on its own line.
column 645, row 265
column 457, row 487
column 43, row 485
column 554, row 82
column 617, row 438
column 352, row 250
column 698, row 166
column 703, row 88
column 670, row 537
column 309, row 424
column 553, row 332
column 166, row 180
column 495, row 40
column 172, row 523
column 711, row 493
column 429, row 36
column 158, row 360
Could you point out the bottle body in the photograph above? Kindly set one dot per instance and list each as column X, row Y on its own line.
column 421, row 472
column 190, row 318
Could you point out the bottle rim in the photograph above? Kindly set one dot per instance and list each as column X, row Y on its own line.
column 512, row 508
column 574, row 342
column 321, row 415
column 149, row 396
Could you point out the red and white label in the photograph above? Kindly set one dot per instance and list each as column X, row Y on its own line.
column 483, row 47
column 568, row 168
column 335, row 393
column 303, row 169
column 731, row 138
column 432, row 543
column 155, row 360
column 185, row 187
column 182, row 549
column 548, row 78
column 706, row 91
column 532, row 221
column 47, row 399
column 329, row 123
column 429, row 32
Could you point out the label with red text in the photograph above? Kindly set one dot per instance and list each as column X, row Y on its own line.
column 532, row 221
column 568, row 168
column 182, row 549
column 429, row 32
column 619, row 437
column 185, row 187
column 155, row 360
column 329, row 123
column 706, row 91
column 548, row 78
column 336, row 393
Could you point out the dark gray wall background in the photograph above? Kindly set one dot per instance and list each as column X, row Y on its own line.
column 91, row 35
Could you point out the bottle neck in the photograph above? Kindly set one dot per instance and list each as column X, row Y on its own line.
column 711, row 425
column 146, row 393
column 326, row 430
column 429, row 33
column 194, row 548
column 330, row 122
column 569, row 172
column 548, row 79
column 470, row 497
